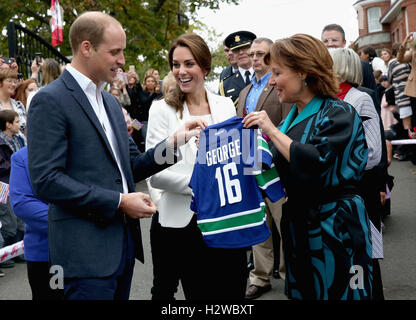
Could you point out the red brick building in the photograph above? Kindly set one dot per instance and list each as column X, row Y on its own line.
column 384, row 22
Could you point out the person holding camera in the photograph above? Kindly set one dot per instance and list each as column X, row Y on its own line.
column 409, row 56
column 120, row 84
column 50, row 69
column 8, row 63
column 11, row 141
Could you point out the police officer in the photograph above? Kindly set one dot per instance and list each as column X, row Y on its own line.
column 232, row 67
column 239, row 43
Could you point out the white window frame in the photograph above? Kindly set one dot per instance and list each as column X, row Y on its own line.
column 373, row 18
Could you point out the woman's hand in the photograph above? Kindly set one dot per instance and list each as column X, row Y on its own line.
column 260, row 119
column 190, row 129
column 408, row 38
column 14, row 65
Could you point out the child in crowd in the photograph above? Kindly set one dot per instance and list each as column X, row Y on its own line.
column 10, row 141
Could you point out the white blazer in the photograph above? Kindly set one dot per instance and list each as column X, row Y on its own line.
column 175, row 199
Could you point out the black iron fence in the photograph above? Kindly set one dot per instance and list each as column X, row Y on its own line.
column 24, row 44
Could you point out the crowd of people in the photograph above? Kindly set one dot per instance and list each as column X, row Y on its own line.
column 74, row 140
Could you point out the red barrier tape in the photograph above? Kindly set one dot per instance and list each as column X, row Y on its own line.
column 12, row 251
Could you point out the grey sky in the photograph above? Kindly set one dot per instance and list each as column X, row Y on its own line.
column 276, row 19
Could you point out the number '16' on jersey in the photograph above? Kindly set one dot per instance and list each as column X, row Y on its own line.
column 232, row 173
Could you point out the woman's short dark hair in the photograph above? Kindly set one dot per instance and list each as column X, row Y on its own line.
column 371, row 53
column 7, row 116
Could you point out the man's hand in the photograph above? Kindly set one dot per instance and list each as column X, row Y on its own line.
column 137, row 205
column 185, row 132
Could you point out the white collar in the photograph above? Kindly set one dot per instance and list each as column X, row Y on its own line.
column 84, row 82
column 243, row 71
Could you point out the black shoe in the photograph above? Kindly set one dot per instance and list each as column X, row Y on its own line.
column 254, row 292
column 2, row 274
column 276, row 274
column 250, row 266
column 19, row 259
column 7, row 264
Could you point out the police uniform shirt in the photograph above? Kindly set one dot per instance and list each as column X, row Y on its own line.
column 243, row 72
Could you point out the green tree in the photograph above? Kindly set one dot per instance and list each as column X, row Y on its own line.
column 150, row 25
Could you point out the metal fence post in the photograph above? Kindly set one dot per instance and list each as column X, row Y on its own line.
column 11, row 35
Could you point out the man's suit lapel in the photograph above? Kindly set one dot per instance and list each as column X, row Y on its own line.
column 243, row 98
column 266, row 91
column 122, row 142
column 83, row 101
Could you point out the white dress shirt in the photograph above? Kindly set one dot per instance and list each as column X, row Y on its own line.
column 95, row 97
column 243, row 72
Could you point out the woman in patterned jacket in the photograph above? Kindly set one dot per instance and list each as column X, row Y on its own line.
column 321, row 154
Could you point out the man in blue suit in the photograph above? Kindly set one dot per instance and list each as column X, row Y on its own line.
column 84, row 164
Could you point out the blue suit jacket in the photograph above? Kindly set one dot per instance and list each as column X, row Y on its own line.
column 72, row 168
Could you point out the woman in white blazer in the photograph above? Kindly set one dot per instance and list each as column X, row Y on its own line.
column 176, row 242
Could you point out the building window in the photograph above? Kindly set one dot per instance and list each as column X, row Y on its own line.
column 373, row 16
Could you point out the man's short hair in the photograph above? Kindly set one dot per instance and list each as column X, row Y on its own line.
column 7, row 116
column 89, row 26
column 335, row 27
column 260, row 40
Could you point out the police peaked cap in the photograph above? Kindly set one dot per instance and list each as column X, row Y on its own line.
column 239, row 39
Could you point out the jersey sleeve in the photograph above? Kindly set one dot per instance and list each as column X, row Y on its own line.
column 264, row 154
column 269, row 182
column 268, row 178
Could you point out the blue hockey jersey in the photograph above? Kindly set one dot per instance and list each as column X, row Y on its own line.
column 233, row 168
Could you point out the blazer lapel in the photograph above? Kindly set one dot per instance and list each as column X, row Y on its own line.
column 83, row 101
column 214, row 107
column 121, row 142
column 263, row 96
column 186, row 116
column 242, row 100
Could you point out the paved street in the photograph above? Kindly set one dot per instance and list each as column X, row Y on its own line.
column 398, row 266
